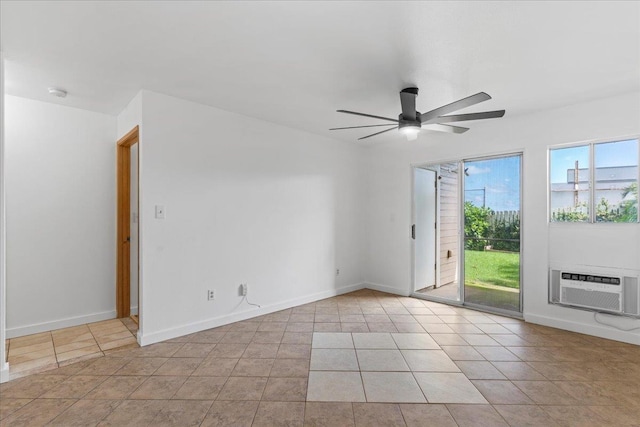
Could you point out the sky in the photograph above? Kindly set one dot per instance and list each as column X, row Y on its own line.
column 621, row 153
column 494, row 182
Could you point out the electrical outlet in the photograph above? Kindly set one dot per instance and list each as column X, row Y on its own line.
column 244, row 289
column 211, row 295
column 337, row 271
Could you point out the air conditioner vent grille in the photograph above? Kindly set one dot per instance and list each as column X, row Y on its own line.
column 596, row 299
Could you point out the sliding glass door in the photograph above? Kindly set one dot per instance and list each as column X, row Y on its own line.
column 491, row 217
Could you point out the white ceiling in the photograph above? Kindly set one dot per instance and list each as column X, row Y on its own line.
column 295, row 63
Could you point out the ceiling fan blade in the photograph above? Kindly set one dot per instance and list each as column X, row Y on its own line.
column 357, row 127
column 377, row 133
column 367, row 115
column 444, row 128
column 471, row 116
column 408, row 100
column 432, row 116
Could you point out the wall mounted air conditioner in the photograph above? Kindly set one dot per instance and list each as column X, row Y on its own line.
column 594, row 289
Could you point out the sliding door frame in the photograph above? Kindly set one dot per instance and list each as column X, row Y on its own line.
column 461, row 239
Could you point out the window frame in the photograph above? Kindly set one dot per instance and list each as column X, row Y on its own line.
column 591, row 144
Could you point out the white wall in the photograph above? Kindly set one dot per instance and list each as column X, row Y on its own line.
column 4, row 367
column 246, row 202
column 388, row 244
column 60, row 192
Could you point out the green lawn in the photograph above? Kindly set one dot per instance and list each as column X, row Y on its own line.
column 492, row 268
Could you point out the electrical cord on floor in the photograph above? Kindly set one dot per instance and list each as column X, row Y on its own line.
column 595, row 317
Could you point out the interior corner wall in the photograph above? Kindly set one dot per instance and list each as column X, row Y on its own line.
column 246, row 201
column 60, row 195
column 388, row 203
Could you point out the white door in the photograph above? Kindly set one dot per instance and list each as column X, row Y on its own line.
column 424, row 196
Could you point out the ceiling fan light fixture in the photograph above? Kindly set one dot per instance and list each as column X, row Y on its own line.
column 410, row 129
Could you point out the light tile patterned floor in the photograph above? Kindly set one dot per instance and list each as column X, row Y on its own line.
column 49, row 350
column 286, row 368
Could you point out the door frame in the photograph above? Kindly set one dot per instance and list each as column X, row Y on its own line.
column 435, row 169
column 461, row 260
column 123, row 225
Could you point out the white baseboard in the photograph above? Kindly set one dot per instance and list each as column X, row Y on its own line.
column 4, row 373
column 385, row 288
column 597, row 330
column 166, row 334
column 134, row 310
column 59, row 324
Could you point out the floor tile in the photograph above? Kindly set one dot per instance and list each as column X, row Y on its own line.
column 335, row 387
column 578, row 416
column 381, row 360
column 181, row 413
column 198, row 350
column 276, row 414
column 85, row 412
column 545, row 393
column 437, row 328
column 415, row 341
column 460, row 352
column 501, row 392
column 261, row 351
column 518, row 371
column 332, row 340
column 133, row 413
column 354, row 327
column 294, row 351
column 440, row 387
column 38, row 412
column 253, row 368
column 479, row 370
column 228, row 351
column 75, row 387
column 334, row 359
column 297, row 338
column 399, row 387
column 429, row 361
column 9, row 405
column 497, row 354
column 267, row 337
column 243, row 388
column 237, row 414
column 374, row 341
column 116, row 387
column 160, row 387
column 476, row 416
column 448, row 339
column 179, row 366
column 285, row 390
column 290, row 368
column 215, row 367
column 479, row 339
column 427, row 415
column 377, row 415
column 328, row 414
column 200, row 388
column 525, row 415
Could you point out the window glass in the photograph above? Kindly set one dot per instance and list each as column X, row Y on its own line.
column 616, row 181
column 569, row 178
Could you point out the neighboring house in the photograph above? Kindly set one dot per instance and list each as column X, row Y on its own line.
column 610, row 185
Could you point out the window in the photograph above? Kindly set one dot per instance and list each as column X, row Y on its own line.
column 594, row 182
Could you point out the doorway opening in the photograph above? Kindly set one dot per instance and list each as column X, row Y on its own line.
column 436, row 226
column 476, row 234
column 127, row 244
